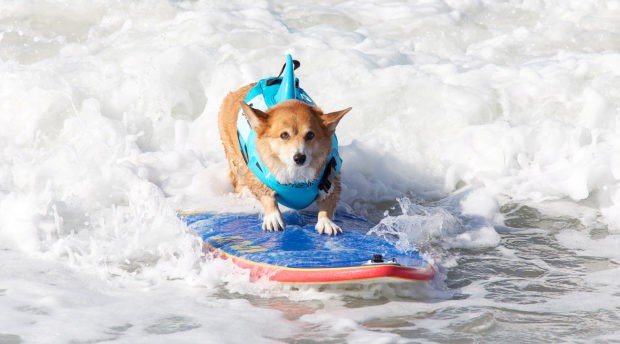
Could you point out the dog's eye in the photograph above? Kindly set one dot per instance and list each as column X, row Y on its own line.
column 285, row 136
column 309, row 136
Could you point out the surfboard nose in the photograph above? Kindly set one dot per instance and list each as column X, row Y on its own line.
column 287, row 86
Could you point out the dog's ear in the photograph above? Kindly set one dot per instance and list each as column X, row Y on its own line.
column 330, row 120
column 257, row 118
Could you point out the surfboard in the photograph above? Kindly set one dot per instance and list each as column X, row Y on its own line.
column 300, row 255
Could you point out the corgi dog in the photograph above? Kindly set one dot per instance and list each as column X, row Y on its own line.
column 284, row 153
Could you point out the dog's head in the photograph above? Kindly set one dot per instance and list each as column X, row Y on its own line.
column 293, row 138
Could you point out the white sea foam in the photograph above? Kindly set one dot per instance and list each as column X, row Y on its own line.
column 108, row 128
column 464, row 220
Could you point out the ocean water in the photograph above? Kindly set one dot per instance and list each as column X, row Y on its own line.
column 483, row 133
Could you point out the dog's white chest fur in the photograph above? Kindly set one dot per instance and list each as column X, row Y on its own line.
column 292, row 174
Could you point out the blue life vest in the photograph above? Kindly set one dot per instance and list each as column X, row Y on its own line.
column 267, row 93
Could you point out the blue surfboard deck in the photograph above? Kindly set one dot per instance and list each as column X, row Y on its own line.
column 300, row 255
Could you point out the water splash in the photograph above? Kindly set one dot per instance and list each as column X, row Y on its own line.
column 443, row 224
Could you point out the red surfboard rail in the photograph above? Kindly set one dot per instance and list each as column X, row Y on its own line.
column 282, row 274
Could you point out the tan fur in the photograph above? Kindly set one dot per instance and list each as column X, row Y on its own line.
column 296, row 118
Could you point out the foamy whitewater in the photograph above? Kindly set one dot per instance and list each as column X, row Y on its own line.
column 483, row 133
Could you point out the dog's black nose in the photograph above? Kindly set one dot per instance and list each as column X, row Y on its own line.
column 299, row 158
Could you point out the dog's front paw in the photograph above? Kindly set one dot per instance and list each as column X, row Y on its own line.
column 273, row 221
column 327, row 226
